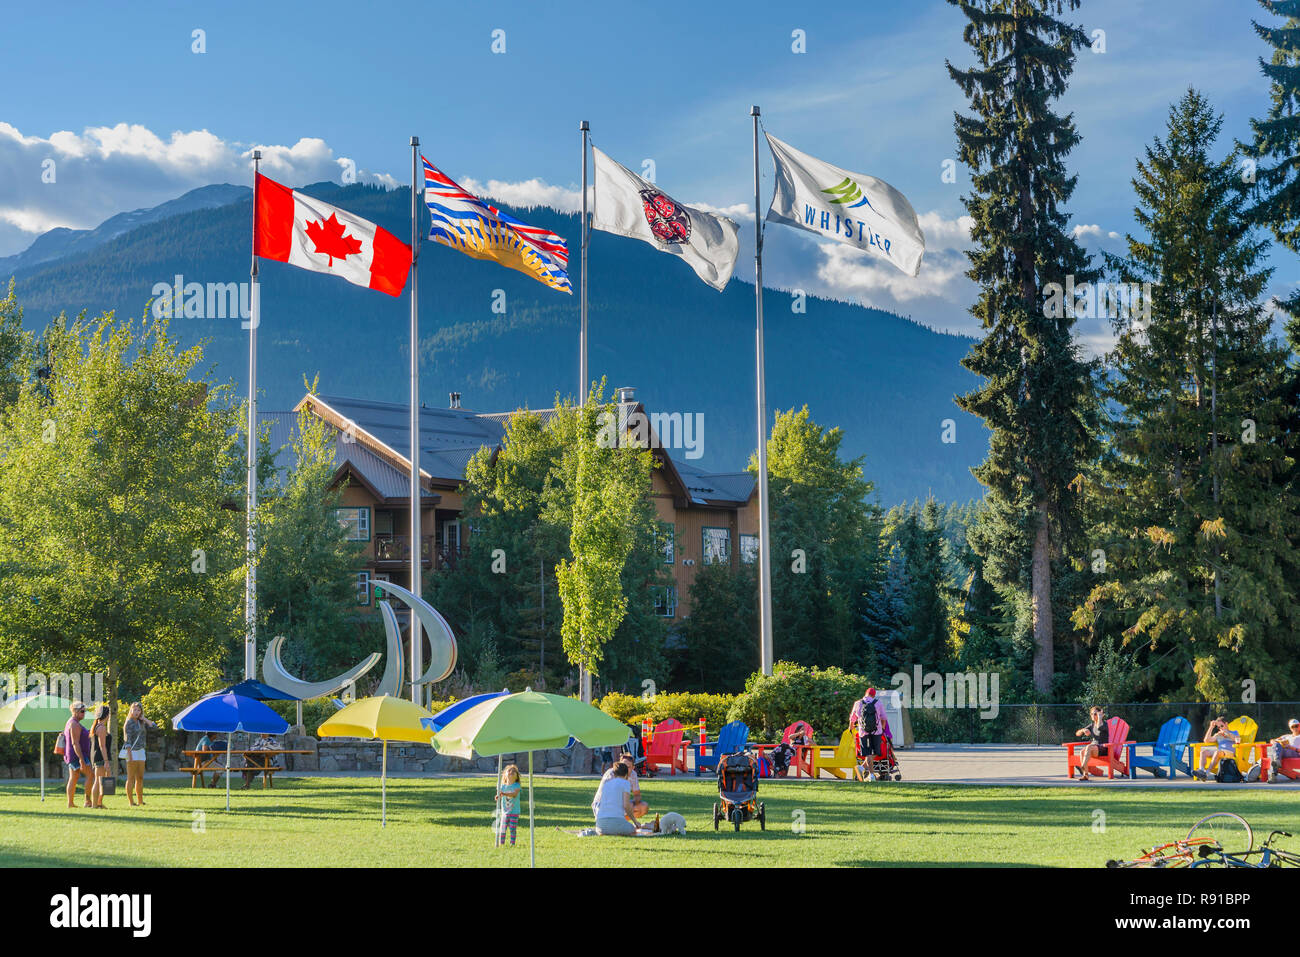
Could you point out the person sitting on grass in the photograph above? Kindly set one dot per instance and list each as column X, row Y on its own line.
column 507, row 798
column 613, row 804
column 1098, row 734
column 1225, row 742
column 1284, row 746
column 639, row 806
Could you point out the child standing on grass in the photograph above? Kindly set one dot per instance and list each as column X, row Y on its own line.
column 508, row 804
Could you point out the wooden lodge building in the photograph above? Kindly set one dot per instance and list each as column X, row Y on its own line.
column 708, row 517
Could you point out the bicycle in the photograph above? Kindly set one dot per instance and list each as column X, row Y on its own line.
column 1268, row 855
column 1211, row 832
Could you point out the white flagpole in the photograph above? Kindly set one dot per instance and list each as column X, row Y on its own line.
column 417, row 639
column 764, row 533
column 250, row 535
column 584, row 383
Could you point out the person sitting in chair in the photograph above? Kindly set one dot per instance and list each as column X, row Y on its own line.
column 1284, row 746
column 1225, row 742
column 1098, row 734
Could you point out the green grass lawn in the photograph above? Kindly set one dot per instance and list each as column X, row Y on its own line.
column 445, row 822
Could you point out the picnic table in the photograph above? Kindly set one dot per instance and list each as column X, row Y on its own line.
column 255, row 761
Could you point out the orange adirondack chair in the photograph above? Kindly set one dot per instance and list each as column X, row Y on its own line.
column 1115, row 759
column 665, row 747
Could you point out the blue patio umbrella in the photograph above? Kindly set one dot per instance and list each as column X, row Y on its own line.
column 451, row 712
column 251, row 688
column 229, row 712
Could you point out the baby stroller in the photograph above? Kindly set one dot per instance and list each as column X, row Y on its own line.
column 738, row 790
column 885, row 764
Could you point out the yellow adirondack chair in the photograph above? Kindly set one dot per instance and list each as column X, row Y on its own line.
column 840, row 762
column 1244, row 726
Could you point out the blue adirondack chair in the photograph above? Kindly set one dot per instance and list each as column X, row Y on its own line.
column 731, row 738
column 1169, row 752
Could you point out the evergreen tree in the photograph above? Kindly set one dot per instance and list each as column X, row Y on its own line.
column 14, row 343
column 720, row 637
column 1200, row 566
column 1036, row 393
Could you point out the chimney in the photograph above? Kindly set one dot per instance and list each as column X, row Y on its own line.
column 626, row 395
column 453, row 400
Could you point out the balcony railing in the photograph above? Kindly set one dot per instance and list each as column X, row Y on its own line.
column 396, row 549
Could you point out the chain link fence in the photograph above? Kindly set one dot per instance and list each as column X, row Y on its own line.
column 1051, row 724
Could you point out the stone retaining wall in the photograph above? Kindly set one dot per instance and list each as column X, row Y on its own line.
column 356, row 754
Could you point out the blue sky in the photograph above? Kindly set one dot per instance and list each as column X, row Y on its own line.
column 133, row 116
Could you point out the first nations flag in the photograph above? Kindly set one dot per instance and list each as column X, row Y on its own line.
column 291, row 227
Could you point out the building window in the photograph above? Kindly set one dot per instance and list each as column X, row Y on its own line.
column 363, row 588
column 749, row 549
column 717, row 546
column 451, row 535
column 384, row 523
column 356, row 521
column 664, row 540
column 666, row 601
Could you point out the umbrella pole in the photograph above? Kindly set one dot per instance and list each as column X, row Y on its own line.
column 532, row 845
column 383, row 789
column 498, row 816
column 230, row 737
column 42, row 765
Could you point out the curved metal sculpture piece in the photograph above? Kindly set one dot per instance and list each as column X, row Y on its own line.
column 275, row 675
column 442, row 643
column 391, row 682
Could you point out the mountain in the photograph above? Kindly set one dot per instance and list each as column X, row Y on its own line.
column 63, row 242
column 503, row 340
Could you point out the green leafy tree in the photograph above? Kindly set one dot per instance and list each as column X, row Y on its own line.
column 15, row 344
column 602, row 494
column 825, row 542
column 120, row 552
column 1035, row 398
column 1201, row 574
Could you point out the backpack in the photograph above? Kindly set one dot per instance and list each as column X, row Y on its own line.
column 61, row 743
column 867, row 720
column 1228, row 772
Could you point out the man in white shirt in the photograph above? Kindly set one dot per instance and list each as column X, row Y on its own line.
column 1284, row 746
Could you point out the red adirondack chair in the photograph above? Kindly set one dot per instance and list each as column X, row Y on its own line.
column 665, row 747
column 803, row 757
column 1115, row 759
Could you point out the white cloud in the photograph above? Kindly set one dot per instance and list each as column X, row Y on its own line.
column 105, row 170
column 531, row 192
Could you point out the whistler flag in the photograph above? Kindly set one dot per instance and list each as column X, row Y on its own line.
column 293, row 228
column 463, row 221
column 852, row 208
column 629, row 206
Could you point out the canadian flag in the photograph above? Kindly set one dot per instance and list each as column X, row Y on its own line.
column 291, row 227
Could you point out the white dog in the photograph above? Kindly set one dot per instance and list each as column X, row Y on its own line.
column 672, row 823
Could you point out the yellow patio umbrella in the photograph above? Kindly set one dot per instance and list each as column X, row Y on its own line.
column 382, row 718
column 40, row 713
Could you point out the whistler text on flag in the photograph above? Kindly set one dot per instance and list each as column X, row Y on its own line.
column 461, row 220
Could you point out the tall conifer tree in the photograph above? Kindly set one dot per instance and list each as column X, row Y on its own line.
column 1036, row 395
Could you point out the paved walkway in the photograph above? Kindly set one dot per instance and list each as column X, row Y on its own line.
column 986, row 764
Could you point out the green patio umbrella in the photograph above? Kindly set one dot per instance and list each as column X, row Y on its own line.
column 37, row 713
column 529, row 721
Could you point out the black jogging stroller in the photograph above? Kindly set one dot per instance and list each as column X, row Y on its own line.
column 738, row 791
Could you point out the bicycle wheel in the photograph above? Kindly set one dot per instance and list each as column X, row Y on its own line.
column 1230, row 831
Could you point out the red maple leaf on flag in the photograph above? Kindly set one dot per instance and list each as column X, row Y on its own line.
column 331, row 240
